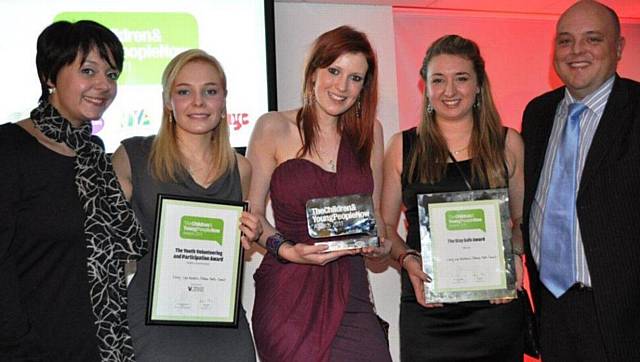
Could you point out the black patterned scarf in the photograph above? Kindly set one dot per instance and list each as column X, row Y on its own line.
column 112, row 232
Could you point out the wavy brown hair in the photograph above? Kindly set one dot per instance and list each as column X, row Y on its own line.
column 166, row 160
column 358, row 130
column 430, row 154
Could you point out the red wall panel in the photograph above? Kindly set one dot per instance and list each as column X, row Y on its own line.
column 517, row 50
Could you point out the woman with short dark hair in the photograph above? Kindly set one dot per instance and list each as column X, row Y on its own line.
column 66, row 229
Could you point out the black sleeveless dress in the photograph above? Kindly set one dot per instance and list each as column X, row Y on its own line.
column 467, row 331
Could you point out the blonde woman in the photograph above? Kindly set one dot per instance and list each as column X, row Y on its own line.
column 190, row 156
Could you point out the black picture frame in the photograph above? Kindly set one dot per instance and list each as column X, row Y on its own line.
column 196, row 261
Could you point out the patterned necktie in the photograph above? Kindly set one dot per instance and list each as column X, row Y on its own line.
column 557, row 245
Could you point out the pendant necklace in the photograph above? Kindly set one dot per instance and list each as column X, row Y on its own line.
column 455, row 153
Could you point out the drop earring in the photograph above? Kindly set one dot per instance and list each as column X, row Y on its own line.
column 308, row 98
column 430, row 109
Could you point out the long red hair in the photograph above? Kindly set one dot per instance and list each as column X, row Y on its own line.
column 356, row 123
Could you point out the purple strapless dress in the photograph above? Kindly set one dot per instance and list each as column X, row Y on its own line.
column 307, row 312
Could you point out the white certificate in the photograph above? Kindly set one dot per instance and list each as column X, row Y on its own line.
column 197, row 262
column 466, row 245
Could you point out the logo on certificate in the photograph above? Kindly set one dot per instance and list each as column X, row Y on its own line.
column 201, row 228
column 465, row 220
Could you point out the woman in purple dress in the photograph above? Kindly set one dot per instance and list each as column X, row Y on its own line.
column 312, row 304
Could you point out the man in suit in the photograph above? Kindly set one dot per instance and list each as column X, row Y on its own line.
column 582, row 195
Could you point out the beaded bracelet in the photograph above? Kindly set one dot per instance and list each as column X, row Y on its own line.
column 274, row 242
column 405, row 254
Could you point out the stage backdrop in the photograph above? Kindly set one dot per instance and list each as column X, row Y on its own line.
column 517, row 50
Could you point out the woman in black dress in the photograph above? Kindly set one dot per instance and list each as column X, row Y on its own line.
column 66, row 228
column 459, row 141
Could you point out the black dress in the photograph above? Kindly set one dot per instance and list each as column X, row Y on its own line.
column 45, row 309
column 467, row 331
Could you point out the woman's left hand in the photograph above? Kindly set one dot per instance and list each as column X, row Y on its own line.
column 379, row 252
column 251, row 228
column 519, row 279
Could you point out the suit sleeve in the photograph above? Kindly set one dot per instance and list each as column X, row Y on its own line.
column 526, row 117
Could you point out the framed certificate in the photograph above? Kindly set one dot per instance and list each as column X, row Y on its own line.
column 197, row 262
column 466, row 245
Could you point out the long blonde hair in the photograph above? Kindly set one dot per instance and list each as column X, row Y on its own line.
column 486, row 147
column 166, row 161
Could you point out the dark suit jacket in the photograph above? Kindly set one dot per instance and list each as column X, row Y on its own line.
column 608, row 207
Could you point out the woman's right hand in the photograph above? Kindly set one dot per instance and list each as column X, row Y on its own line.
column 251, row 227
column 311, row 254
column 413, row 265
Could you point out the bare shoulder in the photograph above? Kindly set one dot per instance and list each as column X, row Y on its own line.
column 514, row 140
column 120, row 157
column 276, row 123
column 275, row 135
column 514, row 150
column 377, row 126
column 122, row 168
column 121, row 164
column 395, row 143
column 393, row 153
column 244, row 166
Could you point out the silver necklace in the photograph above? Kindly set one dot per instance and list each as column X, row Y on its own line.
column 455, row 153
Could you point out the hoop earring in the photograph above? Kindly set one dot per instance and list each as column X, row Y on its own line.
column 223, row 115
column 358, row 108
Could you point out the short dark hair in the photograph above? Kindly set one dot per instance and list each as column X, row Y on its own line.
column 61, row 42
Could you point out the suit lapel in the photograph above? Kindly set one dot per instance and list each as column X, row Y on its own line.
column 608, row 132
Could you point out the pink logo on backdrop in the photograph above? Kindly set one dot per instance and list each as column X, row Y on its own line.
column 97, row 125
